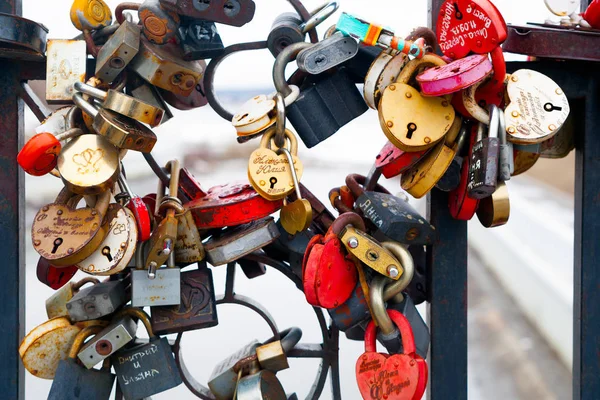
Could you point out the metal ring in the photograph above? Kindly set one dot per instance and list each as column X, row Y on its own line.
column 280, row 121
column 304, row 16
column 319, row 15
column 287, row 55
column 290, row 159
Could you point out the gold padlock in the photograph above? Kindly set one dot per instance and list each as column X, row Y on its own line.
column 495, row 210
column 90, row 14
column 524, row 161
column 423, row 176
column 121, row 131
column 188, row 245
column 123, row 104
column 409, row 120
column 56, row 305
column 64, row 235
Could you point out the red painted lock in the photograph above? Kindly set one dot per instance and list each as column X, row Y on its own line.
column 391, row 377
column 52, row 276
column 329, row 274
column 463, row 207
column 455, row 76
column 40, row 154
column 592, row 14
column 140, row 211
column 392, row 161
column 465, row 26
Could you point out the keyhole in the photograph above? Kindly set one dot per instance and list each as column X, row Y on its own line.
column 232, row 8
column 106, row 252
column 320, row 59
column 412, row 127
column 457, row 14
column 551, row 107
column 57, row 244
column 273, row 182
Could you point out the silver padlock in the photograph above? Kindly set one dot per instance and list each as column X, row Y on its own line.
column 328, row 53
column 260, row 385
column 65, row 64
column 506, row 162
column 158, row 287
column 223, row 379
column 237, row 242
column 118, row 51
column 97, row 301
column 109, row 340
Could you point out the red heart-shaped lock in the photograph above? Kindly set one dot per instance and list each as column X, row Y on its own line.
column 391, row 377
column 329, row 275
column 466, row 26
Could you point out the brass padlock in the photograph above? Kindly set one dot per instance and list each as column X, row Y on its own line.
column 124, row 104
column 188, row 246
column 90, row 14
column 494, row 210
column 158, row 25
column 56, row 305
column 272, row 354
column 64, row 235
column 163, row 66
column 118, row 51
column 65, row 65
column 121, row 131
column 411, row 121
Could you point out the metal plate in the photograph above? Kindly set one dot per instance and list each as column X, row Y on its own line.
column 163, row 290
column 108, row 341
column 65, row 65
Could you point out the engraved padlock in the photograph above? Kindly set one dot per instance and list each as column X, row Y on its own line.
column 60, row 53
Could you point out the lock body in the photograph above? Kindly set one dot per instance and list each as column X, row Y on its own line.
column 327, row 54
column 65, row 65
column 483, row 174
column 109, row 340
column 97, row 301
column 201, row 40
column 89, row 384
column 228, row 12
column 163, row 290
column 118, row 51
column 223, row 378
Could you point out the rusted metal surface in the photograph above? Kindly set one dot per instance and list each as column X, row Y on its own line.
column 22, row 34
column 66, row 64
column 229, row 12
column 557, row 43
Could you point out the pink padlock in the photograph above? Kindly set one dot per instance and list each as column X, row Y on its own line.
column 455, row 76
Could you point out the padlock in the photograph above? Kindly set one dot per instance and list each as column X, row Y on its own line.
column 561, row 144
column 123, row 132
column 483, row 174
column 198, row 309
column 224, row 376
column 394, row 217
column 39, row 155
column 392, row 161
column 118, row 247
column 260, row 384
column 330, row 99
column 417, row 288
column 200, row 40
column 269, row 172
column 45, row 345
column 123, row 104
column 228, row 12
column 409, row 120
column 73, row 382
column 197, row 98
column 52, row 276
column 290, row 248
column 188, row 245
column 114, row 336
column 296, row 215
column 399, row 376
column 151, row 95
column 58, row 122
column 97, row 301
column 81, row 229
column 153, row 285
column 506, row 164
column 252, row 269
column 461, row 205
column 118, row 51
column 138, row 208
column 523, row 161
column 326, row 54
column 285, row 31
column 56, row 305
column 329, row 274
column 536, row 107
column 383, row 72
column 321, row 216
column 163, row 66
column 455, row 76
column 272, row 356
column 239, row 241
column 164, row 235
column 158, row 24
column 146, row 369
column 451, row 178
column 65, row 65
column 90, row 14
column 494, row 210
column 465, row 26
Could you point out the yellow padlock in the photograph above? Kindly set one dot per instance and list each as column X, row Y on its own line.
column 90, row 14
column 411, row 121
column 495, row 210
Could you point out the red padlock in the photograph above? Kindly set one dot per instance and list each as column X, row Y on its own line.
column 465, row 26
column 391, row 377
column 463, row 207
column 52, row 276
column 329, row 274
column 392, row 161
column 455, row 76
column 140, row 211
column 592, row 14
column 40, row 154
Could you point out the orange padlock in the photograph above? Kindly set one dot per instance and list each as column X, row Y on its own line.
column 40, row 154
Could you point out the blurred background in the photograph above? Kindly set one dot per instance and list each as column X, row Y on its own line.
column 520, row 275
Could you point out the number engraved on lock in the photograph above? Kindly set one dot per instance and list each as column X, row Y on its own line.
column 87, row 160
column 267, row 165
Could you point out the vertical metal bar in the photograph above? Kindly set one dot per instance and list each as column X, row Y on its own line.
column 12, row 201
column 586, row 312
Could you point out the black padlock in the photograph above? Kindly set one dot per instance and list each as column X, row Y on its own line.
column 290, row 248
column 417, row 288
column 392, row 216
column 74, row 382
column 326, row 102
column 483, row 174
column 284, row 32
column 146, row 369
column 200, row 40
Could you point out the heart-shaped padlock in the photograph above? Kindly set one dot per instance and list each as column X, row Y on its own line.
column 411, row 121
column 466, row 26
column 393, row 377
column 537, row 107
column 454, row 76
column 269, row 172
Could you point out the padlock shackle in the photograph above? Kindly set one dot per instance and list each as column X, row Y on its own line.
column 318, row 15
column 349, row 218
column 139, row 314
column 406, row 332
column 288, row 55
column 280, row 120
column 290, row 337
column 471, row 105
column 81, row 337
column 292, row 170
column 410, row 69
column 84, row 105
column 90, row 90
column 408, row 264
column 270, row 134
column 335, row 198
column 494, row 124
column 77, row 285
column 356, row 182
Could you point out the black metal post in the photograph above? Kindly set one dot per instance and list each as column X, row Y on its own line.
column 12, row 201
